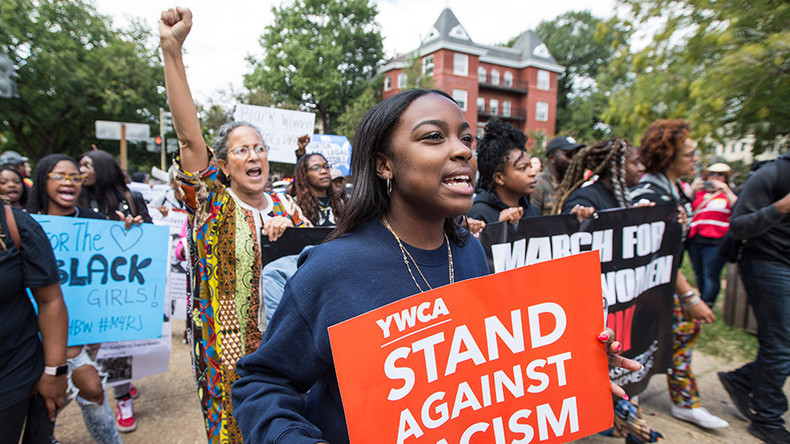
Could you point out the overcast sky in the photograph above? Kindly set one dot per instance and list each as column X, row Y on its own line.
column 224, row 32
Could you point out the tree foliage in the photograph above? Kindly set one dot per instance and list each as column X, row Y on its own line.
column 724, row 65
column 72, row 69
column 584, row 45
column 318, row 54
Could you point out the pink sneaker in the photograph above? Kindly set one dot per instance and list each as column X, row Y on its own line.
column 133, row 392
column 124, row 417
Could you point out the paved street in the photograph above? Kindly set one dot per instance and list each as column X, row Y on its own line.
column 168, row 410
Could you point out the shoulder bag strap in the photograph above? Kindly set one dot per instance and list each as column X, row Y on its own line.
column 12, row 228
column 131, row 202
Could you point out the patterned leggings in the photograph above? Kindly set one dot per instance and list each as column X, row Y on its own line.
column 682, row 382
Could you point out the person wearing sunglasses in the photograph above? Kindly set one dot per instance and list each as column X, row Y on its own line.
column 314, row 192
column 57, row 184
column 224, row 192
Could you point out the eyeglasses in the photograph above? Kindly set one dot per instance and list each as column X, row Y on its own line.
column 319, row 167
column 59, row 177
column 244, row 151
column 691, row 155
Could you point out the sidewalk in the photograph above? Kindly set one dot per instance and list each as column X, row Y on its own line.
column 168, row 410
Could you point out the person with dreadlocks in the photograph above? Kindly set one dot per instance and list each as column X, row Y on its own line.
column 314, row 192
column 615, row 167
column 506, row 176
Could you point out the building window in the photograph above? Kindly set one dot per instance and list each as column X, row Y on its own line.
column 494, row 77
column 460, row 64
column 387, row 83
column 508, row 77
column 481, row 131
column 542, row 112
column 506, row 108
column 543, row 80
column 481, row 74
column 427, row 66
column 481, row 105
column 493, row 105
column 459, row 95
column 402, row 78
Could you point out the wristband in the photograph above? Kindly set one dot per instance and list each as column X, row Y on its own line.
column 56, row 371
column 690, row 302
column 687, row 295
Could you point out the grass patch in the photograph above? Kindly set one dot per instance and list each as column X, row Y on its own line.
column 719, row 339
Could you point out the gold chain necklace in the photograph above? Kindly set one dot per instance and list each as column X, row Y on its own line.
column 407, row 256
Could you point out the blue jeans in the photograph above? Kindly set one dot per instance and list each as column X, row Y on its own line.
column 707, row 269
column 768, row 286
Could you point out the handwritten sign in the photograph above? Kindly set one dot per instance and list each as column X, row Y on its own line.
column 280, row 128
column 511, row 357
column 336, row 150
column 113, row 280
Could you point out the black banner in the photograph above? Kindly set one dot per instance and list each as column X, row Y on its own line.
column 291, row 242
column 640, row 251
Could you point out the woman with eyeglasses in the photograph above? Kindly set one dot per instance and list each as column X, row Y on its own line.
column 314, row 192
column 57, row 184
column 223, row 190
column 669, row 154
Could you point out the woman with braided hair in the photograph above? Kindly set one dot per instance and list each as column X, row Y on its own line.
column 615, row 167
column 506, row 176
column 314, row 192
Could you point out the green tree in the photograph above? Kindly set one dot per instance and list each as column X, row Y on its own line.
column 584, row 45
column 73, row 69
column 723, row 65
column 318, row 54
column 348, row 121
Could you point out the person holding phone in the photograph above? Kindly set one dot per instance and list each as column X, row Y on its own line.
column 712, row 200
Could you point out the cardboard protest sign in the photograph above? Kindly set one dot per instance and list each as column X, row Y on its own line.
column 113, row 280
column 640, row 252
column 336, row 150
column 279, row 127
column 507, row 357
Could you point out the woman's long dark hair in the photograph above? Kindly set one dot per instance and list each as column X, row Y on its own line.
column 109, row 189
column 305, row 199
column 369, row 199
column 23, row 195
column 39, row 201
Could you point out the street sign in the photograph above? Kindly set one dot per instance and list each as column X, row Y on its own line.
column 106, row 130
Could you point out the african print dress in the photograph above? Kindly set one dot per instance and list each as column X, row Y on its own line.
column 226, row 315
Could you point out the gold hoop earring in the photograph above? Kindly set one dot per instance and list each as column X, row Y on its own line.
column 389, row 186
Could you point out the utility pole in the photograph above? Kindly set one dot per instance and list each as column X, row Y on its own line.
column 165, row 126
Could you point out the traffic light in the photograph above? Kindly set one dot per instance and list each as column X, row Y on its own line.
column 158, row 142
column 166, row 122
column 7, row 84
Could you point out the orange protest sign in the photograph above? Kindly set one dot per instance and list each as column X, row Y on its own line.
column 511, row 357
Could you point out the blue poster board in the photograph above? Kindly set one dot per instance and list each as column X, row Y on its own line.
column 336, row 149
column 113, row 280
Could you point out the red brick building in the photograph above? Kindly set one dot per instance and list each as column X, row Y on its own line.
column 517, row 84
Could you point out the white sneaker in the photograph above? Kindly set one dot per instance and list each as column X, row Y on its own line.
column 699, row 416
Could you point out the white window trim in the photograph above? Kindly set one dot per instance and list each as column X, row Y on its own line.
column 538, row 113
column 461, row 72
column 465, row 100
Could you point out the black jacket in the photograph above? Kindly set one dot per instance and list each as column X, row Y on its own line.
column 488, row 205
column 756, row 219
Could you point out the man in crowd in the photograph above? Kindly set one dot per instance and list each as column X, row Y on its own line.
column 559, row 154
column 762, row 217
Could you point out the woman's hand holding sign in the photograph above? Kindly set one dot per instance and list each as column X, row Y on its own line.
column 613, row 349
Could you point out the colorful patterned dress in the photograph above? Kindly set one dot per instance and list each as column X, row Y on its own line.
column 227, row 318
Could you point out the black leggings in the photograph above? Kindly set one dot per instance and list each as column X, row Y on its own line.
column 39, row 429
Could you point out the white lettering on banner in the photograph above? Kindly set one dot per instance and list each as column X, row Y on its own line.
column 629, row 283
column 547, row 422
column 409, row 317
column 519, row 253
column 279, row 127
column 463, row 340
column 645, row 239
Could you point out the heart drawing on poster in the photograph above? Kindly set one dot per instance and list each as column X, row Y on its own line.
column 126, row 239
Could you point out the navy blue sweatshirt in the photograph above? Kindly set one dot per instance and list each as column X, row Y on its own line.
column 336, row 281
